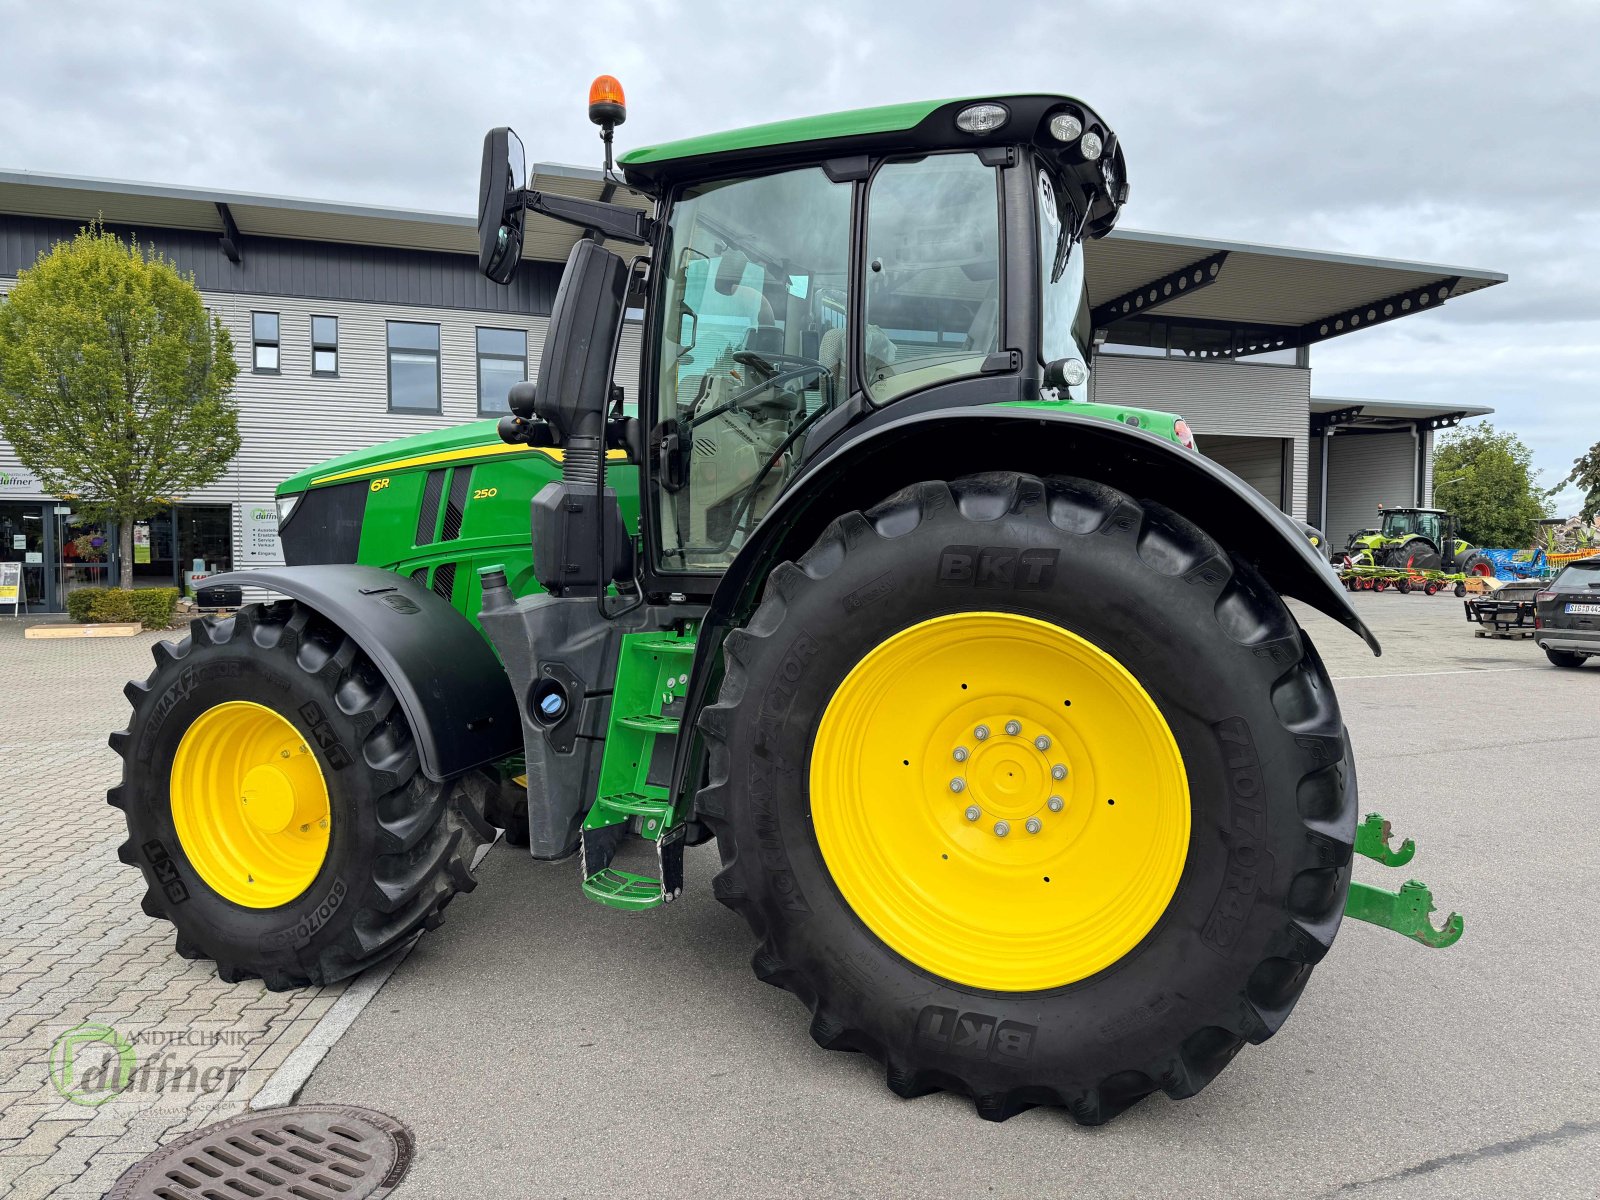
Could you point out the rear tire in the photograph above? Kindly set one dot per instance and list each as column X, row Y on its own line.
column 1249, row 707
column 399, row 845
column 1564, row 658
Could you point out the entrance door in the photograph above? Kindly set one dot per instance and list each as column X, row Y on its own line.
column 22, row 538
column 83, row 551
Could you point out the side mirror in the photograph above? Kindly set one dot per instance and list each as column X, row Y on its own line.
column 580, row 345
column 500, row 204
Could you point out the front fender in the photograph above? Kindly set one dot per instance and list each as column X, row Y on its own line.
column 452, row 689
column 857, row 472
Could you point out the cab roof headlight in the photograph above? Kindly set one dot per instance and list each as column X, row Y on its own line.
column 1065, row 127
column 981, row 118
column 1185, row 436
column 286, row 507
column 1090, row 146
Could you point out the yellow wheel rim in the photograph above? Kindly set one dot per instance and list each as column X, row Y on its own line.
column 1000, row 801
column 250, row 804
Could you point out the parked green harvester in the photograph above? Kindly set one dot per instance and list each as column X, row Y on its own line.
column 1025, row 778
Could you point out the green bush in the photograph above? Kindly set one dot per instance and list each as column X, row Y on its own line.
column 153, row 606
column 112, row 604
column 80, row 601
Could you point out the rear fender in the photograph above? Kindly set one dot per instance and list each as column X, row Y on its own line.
column 948, row 443
column 452, row 689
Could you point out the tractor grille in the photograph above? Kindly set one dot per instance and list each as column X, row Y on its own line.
column 420, row 577
column 428, row 517
column 460, row 480
column 444, row 580
column 309, row 1152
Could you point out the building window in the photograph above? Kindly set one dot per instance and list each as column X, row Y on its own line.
column 324, row 345
column 264, row 337
column 413, row 367
column 502, row 361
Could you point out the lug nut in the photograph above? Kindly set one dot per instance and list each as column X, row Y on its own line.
column 958, row 784
column 981, row 732
column 1001, row 828
column 1058, row 772
column 1013, row 727
column 1042, row 742
column 1034, row 825
column 1055, row 804
column 960, row 754
column 974, row 812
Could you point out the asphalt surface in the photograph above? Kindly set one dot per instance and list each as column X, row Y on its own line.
column 539, row 1045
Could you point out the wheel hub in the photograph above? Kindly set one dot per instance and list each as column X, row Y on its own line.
column 250, row 804
column 1000, row 801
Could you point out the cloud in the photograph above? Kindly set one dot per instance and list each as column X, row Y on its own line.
column 1456, row 134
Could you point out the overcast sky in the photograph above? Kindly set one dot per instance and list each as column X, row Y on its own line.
column 1459, row 133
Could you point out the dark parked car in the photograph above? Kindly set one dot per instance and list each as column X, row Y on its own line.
column 1567, row 614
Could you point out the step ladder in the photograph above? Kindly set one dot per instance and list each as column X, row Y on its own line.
column 647, row 703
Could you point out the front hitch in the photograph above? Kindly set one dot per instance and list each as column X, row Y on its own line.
column 1408, row 911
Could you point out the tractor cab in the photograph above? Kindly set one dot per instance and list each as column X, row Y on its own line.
column 1435, row 524
column 801, row 278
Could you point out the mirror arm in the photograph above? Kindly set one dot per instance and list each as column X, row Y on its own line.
column 611, row 220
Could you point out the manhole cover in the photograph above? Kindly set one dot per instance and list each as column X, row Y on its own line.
column 311, row 1152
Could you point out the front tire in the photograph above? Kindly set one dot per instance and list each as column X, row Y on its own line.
column 1269, row 815
column 349, row 849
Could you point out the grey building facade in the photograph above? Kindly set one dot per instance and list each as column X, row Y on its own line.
column 353, row 325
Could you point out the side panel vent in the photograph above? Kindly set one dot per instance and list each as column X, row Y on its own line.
column 420, row 577
column 444, row 581
column 428, row 518
column 460, row 481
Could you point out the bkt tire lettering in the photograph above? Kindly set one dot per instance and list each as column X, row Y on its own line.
column 997, row 568
column 975, row 1035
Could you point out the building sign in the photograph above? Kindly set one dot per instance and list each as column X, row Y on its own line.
column 17, row 482
column 10, row 584
column 141, row 541
column 259, row 525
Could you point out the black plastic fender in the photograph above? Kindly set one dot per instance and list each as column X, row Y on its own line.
column 856, row 472
column 451, row 687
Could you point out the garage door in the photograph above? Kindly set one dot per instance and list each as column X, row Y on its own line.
column 1364, row 471
column 1256, row 460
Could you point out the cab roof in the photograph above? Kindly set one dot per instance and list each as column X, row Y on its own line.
column 924, row 125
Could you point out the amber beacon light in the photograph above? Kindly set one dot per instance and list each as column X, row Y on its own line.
column 607, row 109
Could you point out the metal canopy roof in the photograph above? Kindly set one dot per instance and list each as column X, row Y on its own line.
column 1206, row 296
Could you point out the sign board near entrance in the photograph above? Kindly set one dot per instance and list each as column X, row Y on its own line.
column 259, row 529
column 11, row 585
column 14, row 482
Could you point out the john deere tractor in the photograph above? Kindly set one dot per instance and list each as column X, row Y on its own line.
column 1021, row 771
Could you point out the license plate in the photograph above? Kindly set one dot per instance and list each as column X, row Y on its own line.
column 1590, row 609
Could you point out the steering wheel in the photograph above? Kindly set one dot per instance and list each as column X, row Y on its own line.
column 749, row 358
column 770, row 362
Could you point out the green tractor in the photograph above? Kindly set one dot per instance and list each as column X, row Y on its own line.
column 1021, row 771
column 1418, row 539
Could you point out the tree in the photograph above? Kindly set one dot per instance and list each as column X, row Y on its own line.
column 114, row 381
column 1586, row 474
column 1487, row 479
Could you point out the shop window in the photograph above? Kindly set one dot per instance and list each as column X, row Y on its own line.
column 264, row 338
column 502, row 361
column 324, row 345
column 413, row 367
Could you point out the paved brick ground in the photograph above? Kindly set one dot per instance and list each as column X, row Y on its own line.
column 76, row 949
